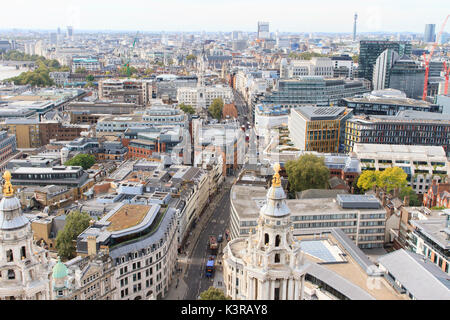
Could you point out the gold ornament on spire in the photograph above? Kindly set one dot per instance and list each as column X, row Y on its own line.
column 276, row 180
column 8, row 189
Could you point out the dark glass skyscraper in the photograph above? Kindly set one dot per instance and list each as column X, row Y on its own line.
column 369, row 50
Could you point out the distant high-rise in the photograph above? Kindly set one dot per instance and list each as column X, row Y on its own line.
column 370, row 50
column 263, row 30
column 69, row 31
column 354, row 27
column 382, row 69
column 430, row 34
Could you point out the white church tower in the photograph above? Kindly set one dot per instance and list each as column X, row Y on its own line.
column 24, row 266
column 269, row 264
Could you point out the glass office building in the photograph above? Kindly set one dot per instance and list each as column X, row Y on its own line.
column 370, row 50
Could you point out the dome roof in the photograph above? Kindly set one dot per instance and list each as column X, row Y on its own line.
column 60, row 270
column 276, row 203
column 11, row 216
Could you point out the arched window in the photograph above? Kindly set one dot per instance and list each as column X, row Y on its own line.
column 277, row 257
column 266, row 239
column 277, row 240
column 11, row 274
column 9, row 256
column 23, row 253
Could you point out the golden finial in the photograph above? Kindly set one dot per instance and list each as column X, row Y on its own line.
column 276, row 181
column 8, row 189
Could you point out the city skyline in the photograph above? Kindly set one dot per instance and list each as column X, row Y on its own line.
column 202, row 15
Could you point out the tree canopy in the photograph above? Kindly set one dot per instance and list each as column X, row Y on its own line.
column 187, row 108
column 41, row 75
column 307, row 172
column 76, row 223
column 213, row 294
column 412, row 195
column 83, row 160
column 191, row 57
column 216, row 108
column 305, row 55
column 368, row 179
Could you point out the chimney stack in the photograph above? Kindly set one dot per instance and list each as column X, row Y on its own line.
column 92, row 245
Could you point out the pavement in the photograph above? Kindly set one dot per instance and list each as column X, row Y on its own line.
column 182, row 284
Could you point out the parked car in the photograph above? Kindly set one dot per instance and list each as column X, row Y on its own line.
column 220, row 238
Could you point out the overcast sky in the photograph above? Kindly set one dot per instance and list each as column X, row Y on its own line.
column 224, row 15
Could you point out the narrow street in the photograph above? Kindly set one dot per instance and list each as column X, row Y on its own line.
column 195, row 278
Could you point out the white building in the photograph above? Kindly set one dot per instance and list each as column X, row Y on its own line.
column 422, row 164
column 269, row 265
column 267, row 118
column 201, row 97
column 24, row 267
column 314, row 67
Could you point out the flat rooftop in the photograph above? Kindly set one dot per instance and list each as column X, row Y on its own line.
column 129, row 215
column 397, row 151
column 320, row 113
column 247, row 200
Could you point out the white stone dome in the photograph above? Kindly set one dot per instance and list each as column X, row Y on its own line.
column 276, row 205
column 11, row 216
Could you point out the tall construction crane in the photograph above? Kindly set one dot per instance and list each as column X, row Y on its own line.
column 427, row 59
column 127, row 63
column 446, row 76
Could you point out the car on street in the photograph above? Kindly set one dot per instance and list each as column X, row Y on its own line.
column 220, row 238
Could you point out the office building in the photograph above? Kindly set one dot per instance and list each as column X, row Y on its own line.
column 387, row 102
column 143, row 247
column 360, row 217
column 370, row 50
column 316, row 90
column 317, row 128
column 343, row 66
column 408, row 76
column 430, row 33
column 263, row 30
column 430, row 239
column 354, row 26
column 314, row 67
column 422, row 164
column 124, row 90
column 428, row 282
column 382, row 69
column 88, row 278
column 87, row 63
column 201, row 98
column 406, row 128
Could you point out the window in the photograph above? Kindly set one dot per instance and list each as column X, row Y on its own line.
column 11, row 274
column 277, row 240
column 9, row 256
column 277, row 257
column 266, row 239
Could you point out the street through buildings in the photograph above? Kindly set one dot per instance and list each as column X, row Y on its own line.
column 195, row 278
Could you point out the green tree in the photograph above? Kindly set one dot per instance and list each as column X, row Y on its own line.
column 307, row 172
column 90, row 78
column 187, row 108
column 81, row 70
column 213, row 294
column 368, row 179
column 392, row 178
column 355, row 58
column 191, row 57
column 83, row 160
column 216, row 108
column 76, row 223
column 413, row 198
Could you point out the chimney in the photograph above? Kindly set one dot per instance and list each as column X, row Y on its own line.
column 92, row 245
